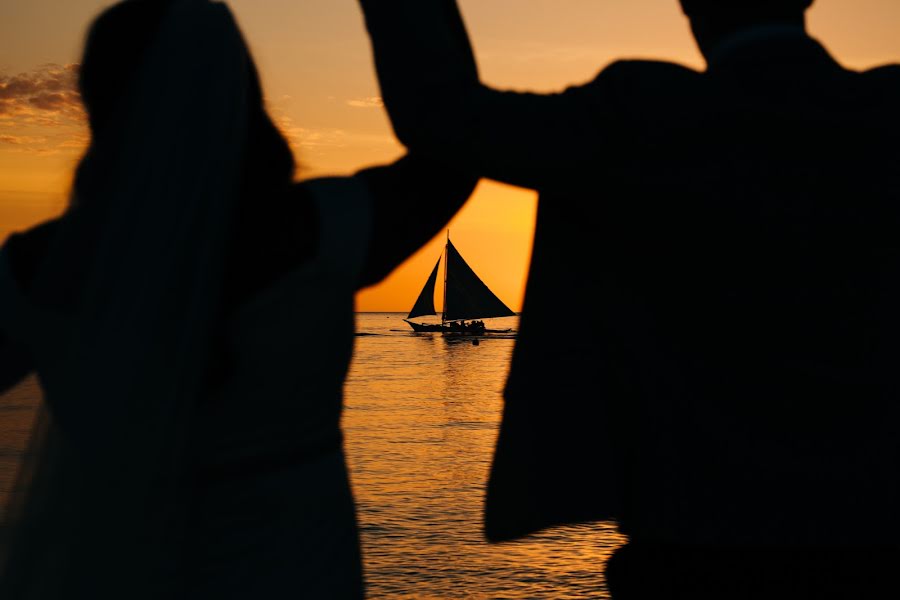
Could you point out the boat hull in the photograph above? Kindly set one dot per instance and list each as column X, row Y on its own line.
column 423, row 328
column 446, row 329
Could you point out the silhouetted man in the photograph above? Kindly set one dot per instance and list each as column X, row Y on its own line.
column 724, row 248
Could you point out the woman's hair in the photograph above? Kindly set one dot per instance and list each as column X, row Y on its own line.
column 116, row 45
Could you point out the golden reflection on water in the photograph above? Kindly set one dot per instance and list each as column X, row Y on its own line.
column 18, row 408
column 421, row 422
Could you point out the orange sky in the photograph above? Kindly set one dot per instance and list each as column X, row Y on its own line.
column 316, row 69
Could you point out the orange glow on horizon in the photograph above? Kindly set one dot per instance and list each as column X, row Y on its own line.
column 492, row 232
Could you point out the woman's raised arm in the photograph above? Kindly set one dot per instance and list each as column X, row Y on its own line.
column 412, row 200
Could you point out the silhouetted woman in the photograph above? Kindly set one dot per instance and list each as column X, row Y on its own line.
column 190, row 319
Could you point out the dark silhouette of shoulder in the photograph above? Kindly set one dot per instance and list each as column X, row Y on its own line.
column 650, row 75
column 26, row 250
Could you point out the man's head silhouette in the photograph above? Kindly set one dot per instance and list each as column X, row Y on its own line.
column 712, row 21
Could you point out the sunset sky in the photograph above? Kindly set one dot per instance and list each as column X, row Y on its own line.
column 316, row 68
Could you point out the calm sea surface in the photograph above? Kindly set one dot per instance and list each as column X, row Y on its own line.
column 421, row 422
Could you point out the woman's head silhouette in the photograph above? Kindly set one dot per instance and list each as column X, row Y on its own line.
column 116, row 45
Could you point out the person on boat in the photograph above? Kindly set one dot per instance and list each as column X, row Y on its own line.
column 190, row 320
column 735, row 409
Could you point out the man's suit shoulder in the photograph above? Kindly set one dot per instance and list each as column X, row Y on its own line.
column 884, row 75
column 648, row 93
column 877, row 88
column 642, row 84
column 650, row 68
column 648, row 74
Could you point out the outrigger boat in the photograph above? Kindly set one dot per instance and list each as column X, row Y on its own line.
column 467, row 300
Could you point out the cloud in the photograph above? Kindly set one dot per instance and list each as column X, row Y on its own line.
column 322, row 150
column 311, row 139
column 302, row 138
column 21, row 140
column 370, row 102
column 41, row 110
column 50, row 88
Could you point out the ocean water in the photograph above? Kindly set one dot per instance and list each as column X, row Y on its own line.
column 422, row 415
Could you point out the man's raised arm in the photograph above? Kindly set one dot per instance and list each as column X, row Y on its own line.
column 439, row 107
column 421, row 48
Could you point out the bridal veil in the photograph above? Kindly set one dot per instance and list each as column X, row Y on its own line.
column 99, row 503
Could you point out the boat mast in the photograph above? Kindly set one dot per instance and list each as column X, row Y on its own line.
column 446, row 268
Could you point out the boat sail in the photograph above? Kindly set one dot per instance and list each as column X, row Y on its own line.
column 466, row 298
column 425, row 304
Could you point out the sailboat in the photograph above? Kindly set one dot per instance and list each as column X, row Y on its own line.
column 466, row 298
